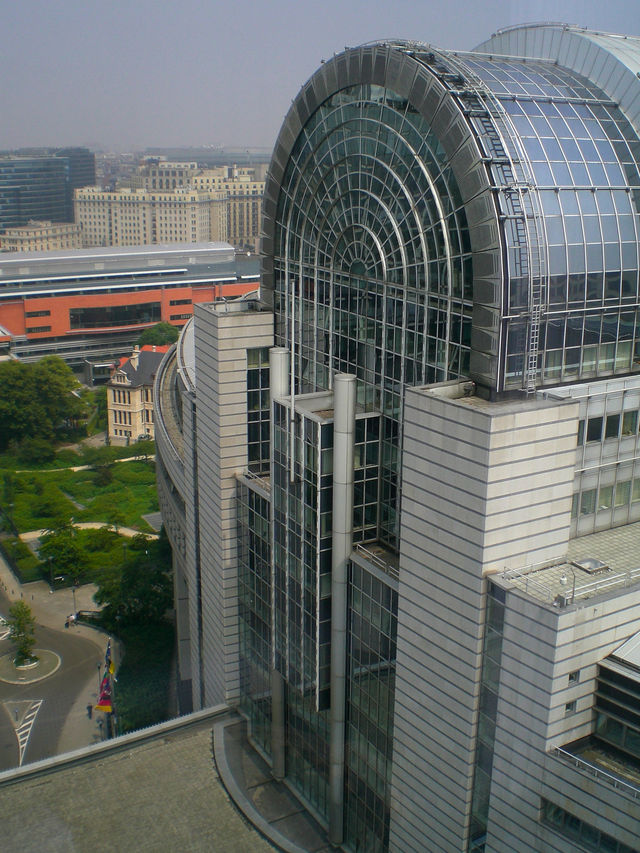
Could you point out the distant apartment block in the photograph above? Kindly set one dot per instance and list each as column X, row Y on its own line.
column 136, row 217
column 175, row 202
column 130, row 395
column 41, row 236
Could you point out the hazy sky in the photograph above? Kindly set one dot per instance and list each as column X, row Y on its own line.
column 135, row 73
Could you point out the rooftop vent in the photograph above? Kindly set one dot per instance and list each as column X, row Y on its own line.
column 591, row 565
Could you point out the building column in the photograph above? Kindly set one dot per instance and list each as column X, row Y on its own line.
column 278, row 754
column 278, row 382
column 344, row 404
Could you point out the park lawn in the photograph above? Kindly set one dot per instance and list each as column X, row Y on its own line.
column 38, row 502
column 132, row 492
column 41, row 499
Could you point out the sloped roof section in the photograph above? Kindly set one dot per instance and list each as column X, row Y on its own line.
column 610, row 61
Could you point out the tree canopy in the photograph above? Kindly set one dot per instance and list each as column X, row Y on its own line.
column 60, row 549
column 36, row 399
column 141, row 590
column 22, row 631
column 158, row 335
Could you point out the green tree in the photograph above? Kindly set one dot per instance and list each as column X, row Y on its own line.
column 144, row 448
column 35, row 399
column 140, row 591
column 22, row 631
column 115, row 517
column 100, row 402
column 34, row 450
column 21, row 413
column 60, row 549
column 58, row 391
column 158, row 335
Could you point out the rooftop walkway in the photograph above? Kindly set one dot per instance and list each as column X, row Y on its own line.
column 191, row 784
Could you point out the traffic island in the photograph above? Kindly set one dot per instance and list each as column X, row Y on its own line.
column 46, row 664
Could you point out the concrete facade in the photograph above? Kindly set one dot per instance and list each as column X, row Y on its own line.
column 223, row 332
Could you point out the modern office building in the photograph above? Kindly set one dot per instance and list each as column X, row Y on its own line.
column 38, row 183
column 403, row 486
column 31, row 188
column 90, row 306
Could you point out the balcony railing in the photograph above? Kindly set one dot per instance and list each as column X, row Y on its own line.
column 598, row 772
column 377, row 560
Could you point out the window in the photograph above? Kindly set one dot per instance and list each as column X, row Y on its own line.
column 570, row 708
column 612, row 427
column 605, row 497
column 623, row 492
column 594, row 429
column 588, row 502
column 630, row 423
column 574, row 677
column 588, row 836
column 34, row 329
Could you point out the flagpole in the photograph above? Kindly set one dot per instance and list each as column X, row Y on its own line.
column 114, row 719
column 105, row 697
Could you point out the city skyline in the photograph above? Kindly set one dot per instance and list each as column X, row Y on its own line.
column 190, row 76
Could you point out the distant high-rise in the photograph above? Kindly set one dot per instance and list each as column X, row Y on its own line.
column 38, row 183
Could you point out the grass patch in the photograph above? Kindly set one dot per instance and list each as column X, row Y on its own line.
column 144, row 677
column 42, row 498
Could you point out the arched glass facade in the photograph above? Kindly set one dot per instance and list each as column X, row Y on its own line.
column 431, row 215
column 375, row 215
column 373, row 260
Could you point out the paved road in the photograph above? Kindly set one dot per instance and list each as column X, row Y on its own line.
column 59, row 692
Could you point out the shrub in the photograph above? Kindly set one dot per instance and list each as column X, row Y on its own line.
column 33, row 451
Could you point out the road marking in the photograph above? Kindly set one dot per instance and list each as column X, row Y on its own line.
column 23, row 730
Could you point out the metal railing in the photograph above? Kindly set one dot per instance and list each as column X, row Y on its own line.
column 597, row 772
column 547, row 591
column 387, row 568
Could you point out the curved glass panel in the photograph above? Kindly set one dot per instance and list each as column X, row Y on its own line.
column 372, row 256
column 567, row 150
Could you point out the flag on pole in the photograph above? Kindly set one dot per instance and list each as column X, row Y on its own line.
column 104, row 705
column 104, row 701
column 107, row 654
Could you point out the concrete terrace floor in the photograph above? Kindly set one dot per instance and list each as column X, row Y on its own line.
column 159, row 795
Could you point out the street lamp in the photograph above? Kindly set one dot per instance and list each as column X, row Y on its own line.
column 73, row 591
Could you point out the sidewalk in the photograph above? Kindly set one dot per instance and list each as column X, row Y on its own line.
column 129, row 532
column 52, row 609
